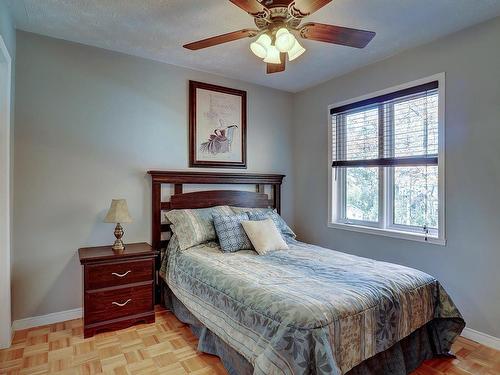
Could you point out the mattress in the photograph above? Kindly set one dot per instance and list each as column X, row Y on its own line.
column 308, row 309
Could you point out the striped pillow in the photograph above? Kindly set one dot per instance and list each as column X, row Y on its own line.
column 195, row 226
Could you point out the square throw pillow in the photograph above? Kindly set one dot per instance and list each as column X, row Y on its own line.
column 275, row 217
column 195, row 226
column 264, row 235
column 232, row 236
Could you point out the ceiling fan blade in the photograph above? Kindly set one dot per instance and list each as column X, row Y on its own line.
column 277, row 3
column 336, row 34
column 249, row 6
column 219, row 39
column 307, row 7
column 276, row 68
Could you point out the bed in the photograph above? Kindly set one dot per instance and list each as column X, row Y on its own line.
column 307, row 310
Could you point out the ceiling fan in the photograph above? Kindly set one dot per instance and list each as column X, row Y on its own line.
column 278, row 21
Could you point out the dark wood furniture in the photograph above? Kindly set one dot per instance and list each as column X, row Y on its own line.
column 209, row 198
column 118, row 289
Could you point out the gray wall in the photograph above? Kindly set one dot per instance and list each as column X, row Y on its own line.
column 7, row 29
column 89, row 124
column 8, row 33
column 469, row 265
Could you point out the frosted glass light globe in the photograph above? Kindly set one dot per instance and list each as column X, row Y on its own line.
column 296, row 51
column 284, row 40
column 259, row 47
column 258, row 50
column 273, row 55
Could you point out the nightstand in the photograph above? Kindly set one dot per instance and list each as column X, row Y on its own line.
column 118, row 289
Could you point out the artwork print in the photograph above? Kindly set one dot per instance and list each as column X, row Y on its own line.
column 217, row 126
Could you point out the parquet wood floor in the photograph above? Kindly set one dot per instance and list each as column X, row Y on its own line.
column 167, row 347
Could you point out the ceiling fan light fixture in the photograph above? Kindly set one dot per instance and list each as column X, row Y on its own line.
column 296, row 51
column 258, row 50
column 279, row 29
column 273, row 55
column 284, row 40
column 260, row 46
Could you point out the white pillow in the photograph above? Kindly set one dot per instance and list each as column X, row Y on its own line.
column 264, row 235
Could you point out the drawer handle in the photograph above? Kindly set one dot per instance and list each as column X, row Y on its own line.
column 121, row 304
column 121, row 275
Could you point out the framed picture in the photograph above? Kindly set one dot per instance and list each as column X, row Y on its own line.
column 217, row 126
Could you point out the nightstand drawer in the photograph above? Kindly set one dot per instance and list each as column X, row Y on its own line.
column 118, row 289
column 107, row 275
column 110, row 304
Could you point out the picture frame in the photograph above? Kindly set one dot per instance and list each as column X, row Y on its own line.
column 217, row 126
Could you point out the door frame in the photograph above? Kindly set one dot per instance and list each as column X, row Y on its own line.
column 5, row 200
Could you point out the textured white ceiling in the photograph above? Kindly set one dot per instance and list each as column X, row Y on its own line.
column 157, row 29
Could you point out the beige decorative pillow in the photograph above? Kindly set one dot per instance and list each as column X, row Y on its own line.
column 264, row 235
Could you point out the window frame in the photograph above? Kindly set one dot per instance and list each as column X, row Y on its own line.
column 342, row 180
column 342, row 217
column 385, row 225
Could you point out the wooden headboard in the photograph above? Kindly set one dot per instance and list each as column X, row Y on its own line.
column 209, row 198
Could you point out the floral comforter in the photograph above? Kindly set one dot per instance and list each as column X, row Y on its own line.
column 308, row 309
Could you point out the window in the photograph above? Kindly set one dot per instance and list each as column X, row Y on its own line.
column 387, row 162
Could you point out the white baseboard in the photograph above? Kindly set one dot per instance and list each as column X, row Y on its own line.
column 482, row 338
column 42, row 320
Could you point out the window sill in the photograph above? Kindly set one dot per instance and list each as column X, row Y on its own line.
column 389, row 233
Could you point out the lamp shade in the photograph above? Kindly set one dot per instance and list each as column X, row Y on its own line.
column 118, row 212
column 258, row 50
column 296, row 51
column 273, row 55
column 259, row 47
column 284, row 40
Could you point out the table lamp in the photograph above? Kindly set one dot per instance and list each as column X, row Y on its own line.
column 118, row 213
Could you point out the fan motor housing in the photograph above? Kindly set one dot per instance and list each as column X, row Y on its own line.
column 276, row 15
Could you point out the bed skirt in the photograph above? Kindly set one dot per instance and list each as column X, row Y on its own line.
column 400, row 359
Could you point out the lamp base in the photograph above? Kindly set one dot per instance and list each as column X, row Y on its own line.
column 118, row 246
